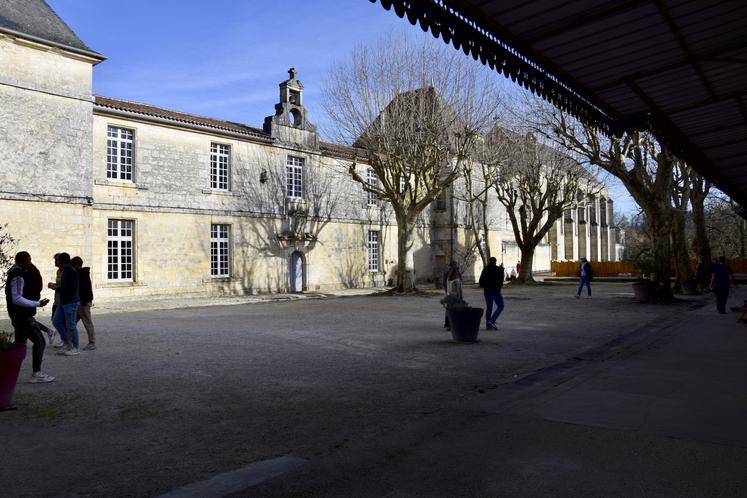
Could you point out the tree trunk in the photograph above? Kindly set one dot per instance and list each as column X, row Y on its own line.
column 405, row 268
column 527, row 259
column 681, row 256
column 658, row 226
column 701, row 245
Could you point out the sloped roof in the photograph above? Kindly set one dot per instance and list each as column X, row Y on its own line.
column 146, row 110
column 179, row 117
column 34, row 19
column 676, row 66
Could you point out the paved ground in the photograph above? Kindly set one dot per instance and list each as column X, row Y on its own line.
column 367, row 396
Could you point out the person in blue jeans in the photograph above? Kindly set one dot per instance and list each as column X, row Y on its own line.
column 66, row 314
column 586, row 276
column 491, row 281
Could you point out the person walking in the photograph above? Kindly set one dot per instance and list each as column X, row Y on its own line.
column 721, row 279
column 452, row 286
column 34, row 284
column 21, row 310
column 85, row 290
column 66, row 314
column 586, row 276
column 55, row 286
column 491, row 281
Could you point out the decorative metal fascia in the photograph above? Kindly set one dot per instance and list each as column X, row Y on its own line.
column 454, row 26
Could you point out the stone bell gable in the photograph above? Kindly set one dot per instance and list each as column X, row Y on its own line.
column 290, row 122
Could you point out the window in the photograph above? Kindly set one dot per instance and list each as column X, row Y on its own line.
column 219, row 247
column 119, row 250
column 402, row 184
column 372, row 198
column 373, row 251
column 119, row 153
column 294, row 177
column 219, row 162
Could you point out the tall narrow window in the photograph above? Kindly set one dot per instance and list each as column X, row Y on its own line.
column 219, row 250
column 119, row 153
column 219, row 166
column 373, row 251
column 294, row 177
column 119, row 250
column 371, row 198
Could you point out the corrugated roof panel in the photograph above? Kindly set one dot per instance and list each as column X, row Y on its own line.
column 707, row 117
column 726, row 78
column 717, row 137
column 672, row 90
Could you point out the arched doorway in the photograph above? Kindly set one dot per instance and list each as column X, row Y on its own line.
column 297, row 272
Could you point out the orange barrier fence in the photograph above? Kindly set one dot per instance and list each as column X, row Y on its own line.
column 616, row 268
column 601, row 268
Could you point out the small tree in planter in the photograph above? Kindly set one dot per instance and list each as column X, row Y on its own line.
column 11, row 357
column 464, row 319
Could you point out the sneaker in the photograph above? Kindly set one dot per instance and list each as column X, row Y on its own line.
column 59, row 345
column 491, row 326
column 71, row 352
column 89, row 347
column 40, row 377
column 578, row 296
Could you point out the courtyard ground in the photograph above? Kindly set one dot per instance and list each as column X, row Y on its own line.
column 368, row 396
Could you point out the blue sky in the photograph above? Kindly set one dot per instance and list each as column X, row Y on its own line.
column 220, row 58
column 225, row 58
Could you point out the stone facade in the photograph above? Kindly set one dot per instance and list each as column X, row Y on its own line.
column 78, row 169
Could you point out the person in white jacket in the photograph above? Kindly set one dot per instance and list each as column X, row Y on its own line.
column 21, row 310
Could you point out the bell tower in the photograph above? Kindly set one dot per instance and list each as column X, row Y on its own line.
column 290, row 122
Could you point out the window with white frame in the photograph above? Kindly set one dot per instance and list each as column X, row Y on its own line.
column 402, row 184
column 371, row 198
column 373, row 251
column 220, row 156
column 119, row 142
column 294, row 177
column 120, row 250
column 220, row 238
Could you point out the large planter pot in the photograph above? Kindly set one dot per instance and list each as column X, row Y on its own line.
column 645, row 291
column 10, row 365
column 465, row 323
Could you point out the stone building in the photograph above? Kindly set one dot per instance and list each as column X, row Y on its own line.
column 160, row 202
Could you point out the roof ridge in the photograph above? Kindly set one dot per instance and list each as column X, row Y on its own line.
column 173, row 111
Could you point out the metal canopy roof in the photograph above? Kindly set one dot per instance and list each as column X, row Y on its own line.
column 677, row 66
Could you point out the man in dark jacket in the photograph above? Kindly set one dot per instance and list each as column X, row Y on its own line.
column 21, row 310
column 491, row 281
column 86, row 300
column 66, row 314
column 34, row 284
column 722, row 277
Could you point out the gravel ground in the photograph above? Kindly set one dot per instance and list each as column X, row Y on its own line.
column 176, row 396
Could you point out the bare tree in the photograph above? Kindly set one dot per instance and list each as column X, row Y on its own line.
column 726, row 229
column 535, row 185
column 681, row 198
column 283, row 221
column 700, row 187
column 416, row 109
column 643, row 166
column 478, row 177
